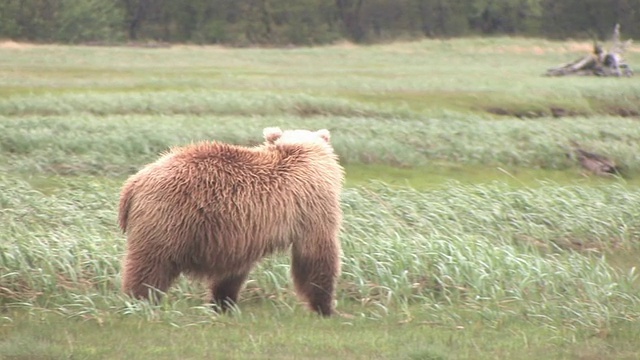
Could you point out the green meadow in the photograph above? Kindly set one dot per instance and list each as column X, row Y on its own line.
column 470, row 231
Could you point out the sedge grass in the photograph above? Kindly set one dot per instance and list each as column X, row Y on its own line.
column 476, row 248
column 455, row 271
column 117, row 145
column 429, row 76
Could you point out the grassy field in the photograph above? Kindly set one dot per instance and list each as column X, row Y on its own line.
column 470, row 230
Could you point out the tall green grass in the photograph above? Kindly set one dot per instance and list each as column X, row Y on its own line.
column 119, row 144
column 428, row 76
column 486, row 249
column 489, row 266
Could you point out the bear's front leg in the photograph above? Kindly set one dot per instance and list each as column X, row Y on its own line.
column 315, row 273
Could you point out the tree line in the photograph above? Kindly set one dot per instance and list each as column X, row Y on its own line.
column 308, row 22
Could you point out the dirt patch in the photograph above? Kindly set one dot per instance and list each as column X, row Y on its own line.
column 579, row 47
column 560, row 112
column 208, row 47
column 9, row 44
column 588, row 47
column 623, row 112
column 516, row 49
column 344, row 44
column 553, row 111
column 550, row 48
column 134, row 44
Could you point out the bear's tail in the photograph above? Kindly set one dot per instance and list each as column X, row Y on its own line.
column 126, row 196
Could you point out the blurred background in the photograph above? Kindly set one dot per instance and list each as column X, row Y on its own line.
column 308, row 22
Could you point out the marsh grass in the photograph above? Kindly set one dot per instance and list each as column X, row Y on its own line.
column 452, row 265
column 117, row 145
column 467, row 75
column 500, row 264
column 481, row 247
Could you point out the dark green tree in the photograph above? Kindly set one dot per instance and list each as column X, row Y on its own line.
column 308, row 22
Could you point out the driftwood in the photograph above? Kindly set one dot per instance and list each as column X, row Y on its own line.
column 595, row 163
column 600, row 62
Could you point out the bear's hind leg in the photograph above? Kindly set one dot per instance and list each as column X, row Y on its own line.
column 314, row 274
column 141, row 277
column 224, row 291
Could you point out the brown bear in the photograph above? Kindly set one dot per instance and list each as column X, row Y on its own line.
column 212, row 210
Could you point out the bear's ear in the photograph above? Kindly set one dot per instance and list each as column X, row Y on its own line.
column 324, row 134
column 271, row 134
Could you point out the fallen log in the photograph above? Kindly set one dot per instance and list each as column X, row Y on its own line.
column 599, row 62
column 595, row 163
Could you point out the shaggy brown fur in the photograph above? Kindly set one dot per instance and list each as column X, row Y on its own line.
column 213, row 210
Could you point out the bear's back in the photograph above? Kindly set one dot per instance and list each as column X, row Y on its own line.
column 215, row 198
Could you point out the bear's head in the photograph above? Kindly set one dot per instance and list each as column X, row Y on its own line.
column 275, row 136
